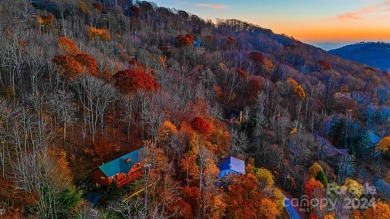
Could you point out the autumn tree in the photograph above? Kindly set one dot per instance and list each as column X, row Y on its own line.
column 131, row 81
column 268, row 209
column 68, row 46
column 353, row 187
column 381, row 210
column 46, row 22
column 89, row 64
column 166, row 130
column 96, row 33
column 264, row 178
column 298, row 90
column 317, row 172
column 68, row 66
column 382, row 147
column 185, row 40
column 201, row 125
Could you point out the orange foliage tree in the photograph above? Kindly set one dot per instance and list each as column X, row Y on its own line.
column 68, row 46
column 381, row 210
column 131, row 81
column 383, row 144
column 74, row 66
column 243, row 198
column 46, row 21
column 102, row 34
column 298, row 90
column 268, row 209
column 68, row 66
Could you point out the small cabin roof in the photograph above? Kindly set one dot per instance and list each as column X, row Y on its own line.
column 232, row 163
column 121, row 164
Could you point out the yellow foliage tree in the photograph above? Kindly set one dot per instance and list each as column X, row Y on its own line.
column 383, row 145
column 167, row 129
column 293, row 131
column 279, row 199
column 211, row 171
column 84, row 8
column 300, row 93
column 264, row 178
column 353, row 187
column 218, row 207
column 314, row 169
column 298, row 90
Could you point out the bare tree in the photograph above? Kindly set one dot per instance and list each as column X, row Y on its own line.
column 64, row 108
column 95, row 96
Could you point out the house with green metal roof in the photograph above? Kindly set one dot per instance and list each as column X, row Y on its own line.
column 122, row 170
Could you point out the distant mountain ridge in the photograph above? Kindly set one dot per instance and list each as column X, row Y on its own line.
column 370, row 53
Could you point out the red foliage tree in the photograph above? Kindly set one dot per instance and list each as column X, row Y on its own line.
column 98, row 7
column 256, row 57
column 136, row 10
column 192, row 196
column 131, row 80
column 231, row 41
column 253, row 88
column 185, row 40
column 242, row 73
column 201, row 125
column 89, row 63
column 324, row 65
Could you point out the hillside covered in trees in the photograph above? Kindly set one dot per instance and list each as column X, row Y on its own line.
column 83, row 82
column 372, row 54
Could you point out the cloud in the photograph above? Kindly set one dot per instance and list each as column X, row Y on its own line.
column 358, row 14
column 211, row 6
column 387, row 5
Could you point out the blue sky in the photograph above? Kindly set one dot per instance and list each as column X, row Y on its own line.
column 313, row 21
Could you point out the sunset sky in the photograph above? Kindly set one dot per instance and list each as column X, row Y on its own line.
column 311, row 21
